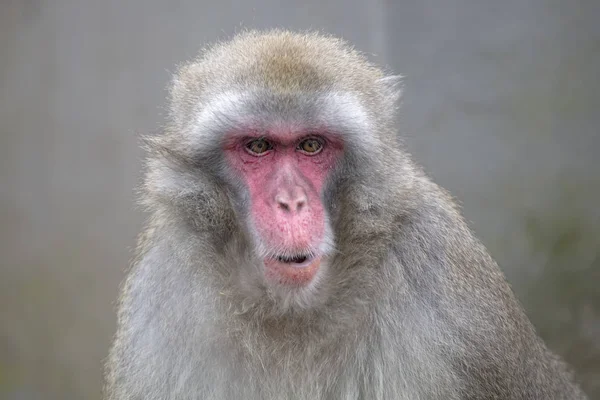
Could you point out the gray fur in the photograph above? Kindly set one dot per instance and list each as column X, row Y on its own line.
column 411, row 306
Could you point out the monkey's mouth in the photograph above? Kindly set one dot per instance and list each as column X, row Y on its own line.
column 299, row 259
column 295, row 270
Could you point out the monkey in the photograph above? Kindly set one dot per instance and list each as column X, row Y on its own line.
column 294, row 250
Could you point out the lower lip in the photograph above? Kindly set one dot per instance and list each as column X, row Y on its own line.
column 291, row 273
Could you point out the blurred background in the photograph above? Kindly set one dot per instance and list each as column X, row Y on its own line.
column 501, row 107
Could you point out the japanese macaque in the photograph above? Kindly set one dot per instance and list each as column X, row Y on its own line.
column 294, row 250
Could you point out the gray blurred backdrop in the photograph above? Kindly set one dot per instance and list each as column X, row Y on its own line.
column 501, row 107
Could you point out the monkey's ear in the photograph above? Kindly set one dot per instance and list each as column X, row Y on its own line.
column 393, row 86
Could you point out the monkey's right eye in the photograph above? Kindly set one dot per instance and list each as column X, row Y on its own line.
column 258, row 147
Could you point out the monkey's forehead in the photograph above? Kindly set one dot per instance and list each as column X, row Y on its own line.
column 280, row 61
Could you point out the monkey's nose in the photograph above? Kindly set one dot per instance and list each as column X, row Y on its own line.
column 291, row 200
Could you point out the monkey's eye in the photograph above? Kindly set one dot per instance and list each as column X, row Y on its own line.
column 310, row 146
column 258, row 147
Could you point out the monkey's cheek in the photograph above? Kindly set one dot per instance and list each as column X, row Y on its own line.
column 289, row 274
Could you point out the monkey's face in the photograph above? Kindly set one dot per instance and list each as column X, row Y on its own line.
column 284, row 173
column 275, row 153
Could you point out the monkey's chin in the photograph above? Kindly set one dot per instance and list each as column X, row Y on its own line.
column 291, row 273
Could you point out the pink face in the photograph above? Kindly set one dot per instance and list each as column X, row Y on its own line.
column 284, row 174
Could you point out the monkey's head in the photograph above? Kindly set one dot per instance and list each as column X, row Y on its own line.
column 275, row 150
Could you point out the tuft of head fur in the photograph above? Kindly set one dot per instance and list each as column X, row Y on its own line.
column 279, row 61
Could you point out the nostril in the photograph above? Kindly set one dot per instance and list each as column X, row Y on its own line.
column 282, row 202
column 300, row 204
column 300, row 199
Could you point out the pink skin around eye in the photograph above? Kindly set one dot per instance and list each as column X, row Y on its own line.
column 285, row 187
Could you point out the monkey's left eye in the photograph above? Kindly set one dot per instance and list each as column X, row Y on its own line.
column 310, row 146
column 258, row 147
